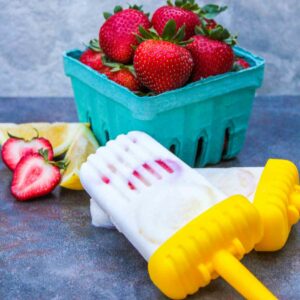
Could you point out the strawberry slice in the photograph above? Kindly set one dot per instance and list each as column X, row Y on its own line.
column 15, row 148
column 35, row 176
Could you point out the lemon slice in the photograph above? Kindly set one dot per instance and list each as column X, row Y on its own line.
column 83, row 145
column 60, row 135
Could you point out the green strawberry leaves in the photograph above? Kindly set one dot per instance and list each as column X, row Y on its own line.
column 61, row 164
column 218, row 33
column 169, row 34
column 185, row 4
column 115, row 67
column 169, row 30
column 94, row 45
column 119, row 8
column 210, row 11
column 106, row 15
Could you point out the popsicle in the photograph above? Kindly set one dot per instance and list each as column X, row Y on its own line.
column 174, row 217
column 230, row 181
column 274, row 191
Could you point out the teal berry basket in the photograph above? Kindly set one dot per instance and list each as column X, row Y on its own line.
column 202, row 122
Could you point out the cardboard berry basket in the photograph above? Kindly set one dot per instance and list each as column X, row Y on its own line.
column 202, row 122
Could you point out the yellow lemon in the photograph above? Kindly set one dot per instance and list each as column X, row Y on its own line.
column 60, row 135
column 83, row 145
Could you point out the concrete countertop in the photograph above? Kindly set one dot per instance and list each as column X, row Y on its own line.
column 49, row 250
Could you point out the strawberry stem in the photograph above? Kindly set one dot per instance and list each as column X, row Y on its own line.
column 62, row 164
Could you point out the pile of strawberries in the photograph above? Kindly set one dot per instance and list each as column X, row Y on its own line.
column 182, row 43
column 34, row 172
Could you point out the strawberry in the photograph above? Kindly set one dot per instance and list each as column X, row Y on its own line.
column 122, row 74
column 125, row 78
column 212, row 52
column 210, row 23
column 240, row 64
column 15, row 148
column 184, row 12
column 160, row 63
column 181, row 16
column 117, row 34
column 92, row 56
column 35, row 176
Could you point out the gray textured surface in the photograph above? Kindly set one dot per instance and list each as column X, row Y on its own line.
column 49, row 250
column 34, row 35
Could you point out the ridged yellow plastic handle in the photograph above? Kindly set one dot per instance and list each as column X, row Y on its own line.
column 277, row 199
column 209, row 246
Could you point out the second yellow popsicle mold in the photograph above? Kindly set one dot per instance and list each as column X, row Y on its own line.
column 277, row 200
column 211, row 245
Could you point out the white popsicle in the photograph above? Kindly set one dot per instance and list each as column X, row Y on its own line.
column 147, row 191
column 230, row 181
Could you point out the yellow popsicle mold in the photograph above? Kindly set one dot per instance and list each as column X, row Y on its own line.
column 277, row 199
column 211, row 245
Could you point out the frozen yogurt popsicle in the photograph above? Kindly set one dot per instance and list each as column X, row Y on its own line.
column 146, row 190
column 230, row 181
column 179, row 222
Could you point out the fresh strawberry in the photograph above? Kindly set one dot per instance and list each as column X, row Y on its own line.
column 122, row 74
column 161, row 64
column 181, row 16
column 210, row 23
column 240, row 64
column 15, row 148
column 92, row 57
column 184, row 12
column 125, row 78
column 105, row 70
column 34, row 176
column 212, row 52
column 117, row 34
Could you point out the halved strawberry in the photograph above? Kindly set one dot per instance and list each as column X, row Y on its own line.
column 35, row 176
column 15, row 148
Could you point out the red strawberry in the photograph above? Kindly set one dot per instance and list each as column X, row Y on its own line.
column 34, row 177
column 184, row 12
column 117, row 34
column 125, row 78
column 105, row 70
column 210, row 23
column 211, row 54
column 181, row 16
column 162, row 65
column 122, row 74
column 15, row 148
column 240, row 64
column 92, row 57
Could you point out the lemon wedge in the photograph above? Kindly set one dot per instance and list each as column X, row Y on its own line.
column 83, row 145
column 60, row 135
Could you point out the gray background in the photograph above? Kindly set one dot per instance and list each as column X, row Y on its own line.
column 34, row 33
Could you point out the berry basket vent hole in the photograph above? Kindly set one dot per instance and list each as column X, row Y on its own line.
column 199, row 151
column 89, row 119
column 172, row 148
column 226, row 143
column 106, row 134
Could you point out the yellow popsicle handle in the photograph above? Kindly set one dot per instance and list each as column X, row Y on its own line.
column 238, row 276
